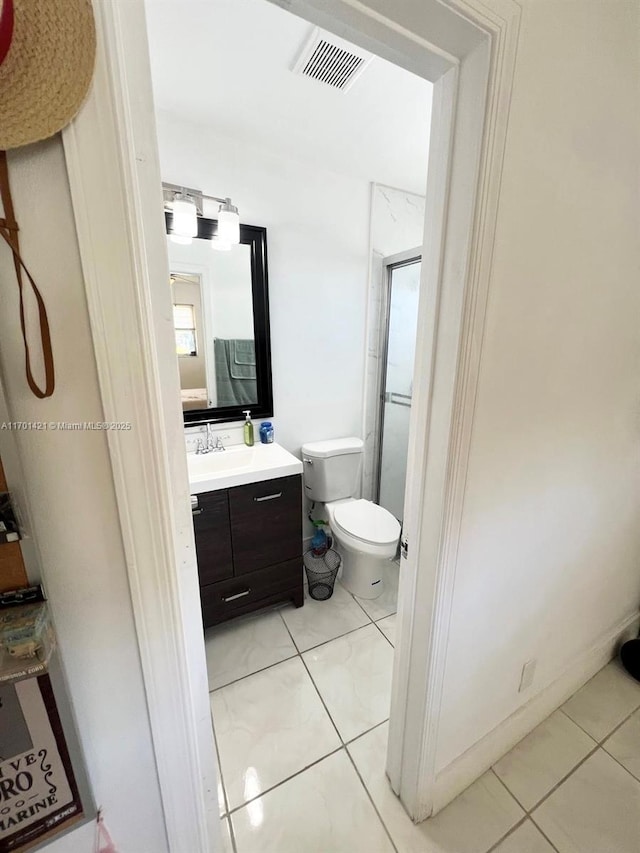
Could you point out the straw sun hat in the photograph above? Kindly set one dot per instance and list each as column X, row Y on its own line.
column 47, row 53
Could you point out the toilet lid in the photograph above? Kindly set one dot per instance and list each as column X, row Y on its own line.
column 367, row 521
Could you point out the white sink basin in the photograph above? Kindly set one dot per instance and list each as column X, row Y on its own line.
column 239, row 465
column 231, row 459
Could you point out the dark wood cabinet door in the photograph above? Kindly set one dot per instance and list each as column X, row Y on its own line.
column 266, row 523
column 213, row 536
column 252, row 590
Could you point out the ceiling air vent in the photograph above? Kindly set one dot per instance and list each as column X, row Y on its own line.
column 331, row 60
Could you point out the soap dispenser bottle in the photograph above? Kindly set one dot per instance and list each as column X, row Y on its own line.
column 248, row 429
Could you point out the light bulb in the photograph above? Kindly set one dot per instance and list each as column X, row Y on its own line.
column 185, row 217
column 228, row 223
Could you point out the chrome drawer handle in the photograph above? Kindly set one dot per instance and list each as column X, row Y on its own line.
column 197, row 511
column 237, row 595
column 269, row 497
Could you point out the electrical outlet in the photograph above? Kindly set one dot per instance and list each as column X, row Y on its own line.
column 528, row 671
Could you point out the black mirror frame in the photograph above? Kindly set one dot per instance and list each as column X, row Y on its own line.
column 255, row 237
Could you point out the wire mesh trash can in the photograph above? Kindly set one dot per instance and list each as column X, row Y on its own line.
column 321, row 573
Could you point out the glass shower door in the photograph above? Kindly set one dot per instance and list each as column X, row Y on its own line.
column 397, row 382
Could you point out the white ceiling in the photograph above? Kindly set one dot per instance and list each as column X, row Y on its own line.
column 226, row 64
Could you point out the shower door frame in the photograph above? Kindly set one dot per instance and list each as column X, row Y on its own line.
column 399, row 259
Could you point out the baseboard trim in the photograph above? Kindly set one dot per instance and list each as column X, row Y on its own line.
column 465, row 769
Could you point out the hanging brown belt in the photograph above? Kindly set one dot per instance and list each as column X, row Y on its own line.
column 9, row 231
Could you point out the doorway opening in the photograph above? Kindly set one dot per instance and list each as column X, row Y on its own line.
column 339, row 178
column 112, row 158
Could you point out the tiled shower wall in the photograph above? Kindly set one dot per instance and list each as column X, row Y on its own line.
column 397, row 224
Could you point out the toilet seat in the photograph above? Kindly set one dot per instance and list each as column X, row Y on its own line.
column 367, row 522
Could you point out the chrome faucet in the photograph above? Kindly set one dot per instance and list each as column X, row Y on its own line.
column 212, row 444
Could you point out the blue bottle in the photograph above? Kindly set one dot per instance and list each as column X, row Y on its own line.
column 266, row 432
column 319, row 543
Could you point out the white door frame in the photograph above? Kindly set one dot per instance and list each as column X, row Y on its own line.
column 467, row 48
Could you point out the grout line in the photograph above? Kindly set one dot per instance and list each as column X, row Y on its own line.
column 232, row 834
column 371, row 800
column 360, row 606
column 596, row 745
column 543, row 799
column 255, row 672
column 575, row 723
column 382, row 618
column 224, row 790
column 297, row 651
column 324, row 705
column 287, row 779
column 502, row 838
column 357, row 601
column 582, row 729
column 343, row 744
column 509, row 791
column 383, row 633
column 543, row 833
column 302, row 770
column 615, row 728
column 528, row 813
column 609, row 734
column 601, row 743
column 325, row 642
column 226, row 816
column 368, row 731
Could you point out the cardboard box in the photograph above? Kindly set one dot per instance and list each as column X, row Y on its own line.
column 38, row 790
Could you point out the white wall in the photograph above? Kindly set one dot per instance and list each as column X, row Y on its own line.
column 70, row 491
column 317, row 243
column 226, row 285
column 549, row 560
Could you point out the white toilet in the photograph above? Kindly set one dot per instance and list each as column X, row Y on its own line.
column 366, row 534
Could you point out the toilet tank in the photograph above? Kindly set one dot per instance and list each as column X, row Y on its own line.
column 332, row 468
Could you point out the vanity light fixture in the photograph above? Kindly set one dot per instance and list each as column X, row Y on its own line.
column 228, row 223
column 185, row 218
column 186, row 206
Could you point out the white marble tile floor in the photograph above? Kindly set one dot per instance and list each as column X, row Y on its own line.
column 246, row 645
column 269, row 726
column 388, row 627
column 320, row 621
column 353, row 676
column 300, row 710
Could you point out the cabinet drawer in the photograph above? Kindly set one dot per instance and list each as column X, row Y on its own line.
column 213, row 537
column 225, row 598
column 266, row 523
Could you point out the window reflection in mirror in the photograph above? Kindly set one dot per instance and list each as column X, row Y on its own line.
column 216, row 355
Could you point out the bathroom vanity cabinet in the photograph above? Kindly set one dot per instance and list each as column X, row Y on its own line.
column 249, row 547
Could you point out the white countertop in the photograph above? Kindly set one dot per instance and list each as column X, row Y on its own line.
column 238, row 465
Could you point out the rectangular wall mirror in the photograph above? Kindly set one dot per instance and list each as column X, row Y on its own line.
column 221, row 319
